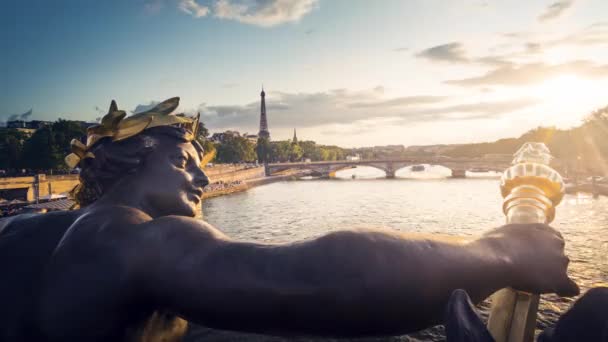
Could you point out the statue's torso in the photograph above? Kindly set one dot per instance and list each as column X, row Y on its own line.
column 27, row 243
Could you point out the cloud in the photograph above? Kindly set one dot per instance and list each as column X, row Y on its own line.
column 399, row 101
column 100, row 111
column 193, row 8
column 555, row 10
column 531, row 73
column 144, row 107
column 344, row 107
column 451, row 52
column 595, row 34
column 401, row 49
column 153, row 7
column 479, row 110
column 24, row 116
column 482, row 4
column 264, row 13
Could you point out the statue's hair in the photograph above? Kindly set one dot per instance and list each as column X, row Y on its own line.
column 115, row 160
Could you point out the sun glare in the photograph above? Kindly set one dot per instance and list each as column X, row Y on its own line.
column 566, row 96
column 562, row 88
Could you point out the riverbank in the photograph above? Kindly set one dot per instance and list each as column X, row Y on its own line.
column 225, row 180
column 222, row 188
column 595, row 189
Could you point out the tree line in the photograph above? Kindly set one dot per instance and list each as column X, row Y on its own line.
column 236, row 149
column 45, row 149
column 583, row 148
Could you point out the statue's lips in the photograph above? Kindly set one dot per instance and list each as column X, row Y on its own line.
column 197, row 193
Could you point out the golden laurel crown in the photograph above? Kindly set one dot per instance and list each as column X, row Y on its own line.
column 117, row 126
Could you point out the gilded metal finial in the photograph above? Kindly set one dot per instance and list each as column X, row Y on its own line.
column 533, row 152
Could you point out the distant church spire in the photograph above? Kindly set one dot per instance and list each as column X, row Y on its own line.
column 295, row 137
column 263, row 121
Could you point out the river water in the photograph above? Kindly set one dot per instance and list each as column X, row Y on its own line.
column 423, row 202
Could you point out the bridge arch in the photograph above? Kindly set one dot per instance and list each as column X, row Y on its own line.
column 381, row 171
column 430, row 171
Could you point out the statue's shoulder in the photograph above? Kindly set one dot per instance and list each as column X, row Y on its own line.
column 116, row 214
column 108, row 219
column 32, row 221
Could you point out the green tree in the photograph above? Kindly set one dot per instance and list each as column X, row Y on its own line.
column 48, row 146
column 263, row 150
column 201, row 137
column 309, row 150
column 295, row 153
column 235, row 149
column 202, row 130
column 11, row 148
column 280, row 151
column 40, row 151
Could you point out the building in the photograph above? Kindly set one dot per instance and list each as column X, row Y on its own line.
column 263, row 133
column 221, row 137
column 34, row 124
column 294, row 141
column 355, row 157
column 251, row 137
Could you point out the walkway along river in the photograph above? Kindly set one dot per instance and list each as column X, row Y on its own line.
column 288, row 211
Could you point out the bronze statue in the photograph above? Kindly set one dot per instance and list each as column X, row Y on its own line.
column 133, row 264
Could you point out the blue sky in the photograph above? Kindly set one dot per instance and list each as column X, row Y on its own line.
column 346, row 72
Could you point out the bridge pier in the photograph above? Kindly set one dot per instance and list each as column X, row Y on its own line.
column 459, row 173
column 267, row 171
column 390, row 174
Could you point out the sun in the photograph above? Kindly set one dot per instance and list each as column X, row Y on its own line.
column 566, row 97
column 562, row 88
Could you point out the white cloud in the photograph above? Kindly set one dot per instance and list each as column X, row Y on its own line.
column 555, row 10
column 533, row 73
column 451, row 52
column 193, row 8
column 265, row 13
column 596, row 34
column 345, row 107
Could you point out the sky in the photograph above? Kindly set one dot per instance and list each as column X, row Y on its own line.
column 345, row 72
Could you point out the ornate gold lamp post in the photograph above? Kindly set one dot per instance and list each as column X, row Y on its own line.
column 531, row 191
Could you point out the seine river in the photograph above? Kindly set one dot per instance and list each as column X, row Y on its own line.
column 295, row 210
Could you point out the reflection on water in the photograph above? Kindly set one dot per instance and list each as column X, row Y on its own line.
column 297, row 210
column 422, row 171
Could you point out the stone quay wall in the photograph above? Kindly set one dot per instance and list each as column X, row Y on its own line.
column 229, row 174
column 24, row 188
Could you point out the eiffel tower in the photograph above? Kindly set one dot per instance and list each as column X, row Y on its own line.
column 263, row 121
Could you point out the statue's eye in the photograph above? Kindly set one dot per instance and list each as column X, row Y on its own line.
column 181, row 161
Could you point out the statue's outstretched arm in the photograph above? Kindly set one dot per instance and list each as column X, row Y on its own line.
column 347, row 283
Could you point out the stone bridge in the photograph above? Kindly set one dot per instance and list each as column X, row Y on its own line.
column 458, row 165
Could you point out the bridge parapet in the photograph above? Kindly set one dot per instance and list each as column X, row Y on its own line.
column 391, row 166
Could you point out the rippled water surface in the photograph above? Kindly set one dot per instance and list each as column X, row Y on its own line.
column 295, row 210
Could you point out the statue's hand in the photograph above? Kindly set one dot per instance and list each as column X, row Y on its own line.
column 535, row 257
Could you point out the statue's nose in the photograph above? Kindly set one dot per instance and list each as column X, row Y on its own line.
column 201, row 179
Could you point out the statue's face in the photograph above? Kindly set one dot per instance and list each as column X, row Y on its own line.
column 172, row 179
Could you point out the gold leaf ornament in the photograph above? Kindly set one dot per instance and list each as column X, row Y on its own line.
column 118, row 126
